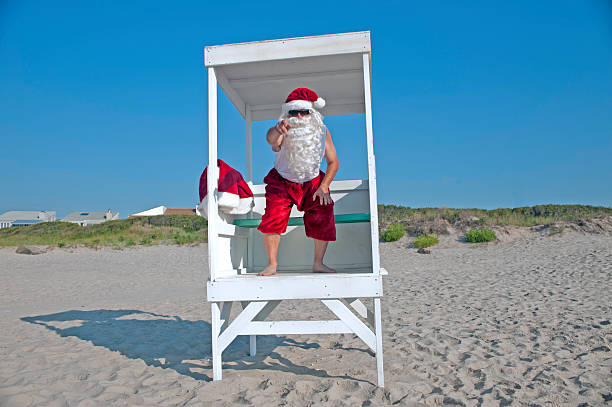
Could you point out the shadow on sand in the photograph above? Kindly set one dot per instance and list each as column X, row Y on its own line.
column 170, row 342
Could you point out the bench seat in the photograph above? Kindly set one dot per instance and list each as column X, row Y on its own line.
column 299, row 221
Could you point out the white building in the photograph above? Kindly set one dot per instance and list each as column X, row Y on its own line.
column 90, row 218
column 7, row 219
column 162, row 210
column 158, row 210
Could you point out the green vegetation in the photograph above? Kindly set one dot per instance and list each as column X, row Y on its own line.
column 426, row 241
column 484, row 234
column 394, row 232
column 440, row 220
column 394, row 222
column 149, row 230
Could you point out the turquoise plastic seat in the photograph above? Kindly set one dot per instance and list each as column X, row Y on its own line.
column 347, row 218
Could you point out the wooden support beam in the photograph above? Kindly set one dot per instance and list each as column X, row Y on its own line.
column 216, row 350
column 231, row 93
column 333, row 44
column 239, row 323
column 293, row 78
column 371, row 164
column 354, row 323
column 225, row 314
column 363, row 311
column 293, row 287
column 267, row 310
column 249, row 145
column 249, row 179
column 213, row 173
column 379, row 347
column 296, row 328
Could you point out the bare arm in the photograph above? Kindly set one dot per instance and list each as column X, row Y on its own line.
column 276, row 134
column 332, row 162
column 332, row 168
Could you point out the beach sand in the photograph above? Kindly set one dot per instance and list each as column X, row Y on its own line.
column 523, row 322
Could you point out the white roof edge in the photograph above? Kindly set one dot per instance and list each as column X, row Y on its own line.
column 298, row 47
column 152, row 212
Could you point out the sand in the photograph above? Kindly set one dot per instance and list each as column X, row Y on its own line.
column 523, row 322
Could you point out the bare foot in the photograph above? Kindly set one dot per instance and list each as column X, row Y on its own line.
column 322, row 268
column 268, row 271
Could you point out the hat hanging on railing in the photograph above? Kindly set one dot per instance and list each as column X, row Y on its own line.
column 234, row 195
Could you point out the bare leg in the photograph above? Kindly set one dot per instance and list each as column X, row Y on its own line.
column 320, row 246
column 271, row 240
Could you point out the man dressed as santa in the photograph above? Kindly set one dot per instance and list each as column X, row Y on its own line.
column 300, row 140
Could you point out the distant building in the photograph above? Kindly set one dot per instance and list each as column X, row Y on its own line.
column 91, row 218
column 158, row 210
column 162, row 210
column 24, row 218
column 26, row 222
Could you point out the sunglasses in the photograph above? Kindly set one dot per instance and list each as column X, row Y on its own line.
column 294, row 113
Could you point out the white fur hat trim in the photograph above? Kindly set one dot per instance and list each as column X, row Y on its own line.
column 304, row 105
column 319, row 103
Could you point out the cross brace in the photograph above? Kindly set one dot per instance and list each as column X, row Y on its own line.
column 250, row 321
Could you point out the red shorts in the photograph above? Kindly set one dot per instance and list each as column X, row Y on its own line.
column 282, row 194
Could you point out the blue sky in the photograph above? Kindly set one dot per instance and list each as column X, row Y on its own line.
column 476, row 104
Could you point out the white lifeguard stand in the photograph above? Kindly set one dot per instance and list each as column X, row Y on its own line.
column 257, row 77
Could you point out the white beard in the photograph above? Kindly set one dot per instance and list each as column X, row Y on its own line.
column 303, row 144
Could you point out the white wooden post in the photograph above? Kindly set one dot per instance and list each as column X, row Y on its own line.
column 373, row 213
column 249, row 145
column 216, row 350
column 249, row 176
column 249, row 180
column 379, row 348
column 213, row 171
column 252, row 345
column 371, row 164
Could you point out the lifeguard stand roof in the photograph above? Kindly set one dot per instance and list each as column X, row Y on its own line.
column 258, row 76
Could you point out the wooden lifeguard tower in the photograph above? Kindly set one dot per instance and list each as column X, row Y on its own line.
column 256, row 77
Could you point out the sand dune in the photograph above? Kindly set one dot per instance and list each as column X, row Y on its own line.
column 524, row 322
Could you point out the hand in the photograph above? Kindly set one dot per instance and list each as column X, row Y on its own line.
column 276, row 134
column 324, row 196
column 281, row 129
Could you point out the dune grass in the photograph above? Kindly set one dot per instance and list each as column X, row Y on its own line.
column 483, row 234
column 393, row 232
column 149, row 230
column 419, row 221
column 424, row 241
column 186, row 229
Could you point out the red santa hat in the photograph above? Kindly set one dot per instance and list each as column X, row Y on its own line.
column 303, row 99
column 234, row 195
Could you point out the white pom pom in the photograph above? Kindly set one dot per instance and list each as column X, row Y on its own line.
column 319, row 103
